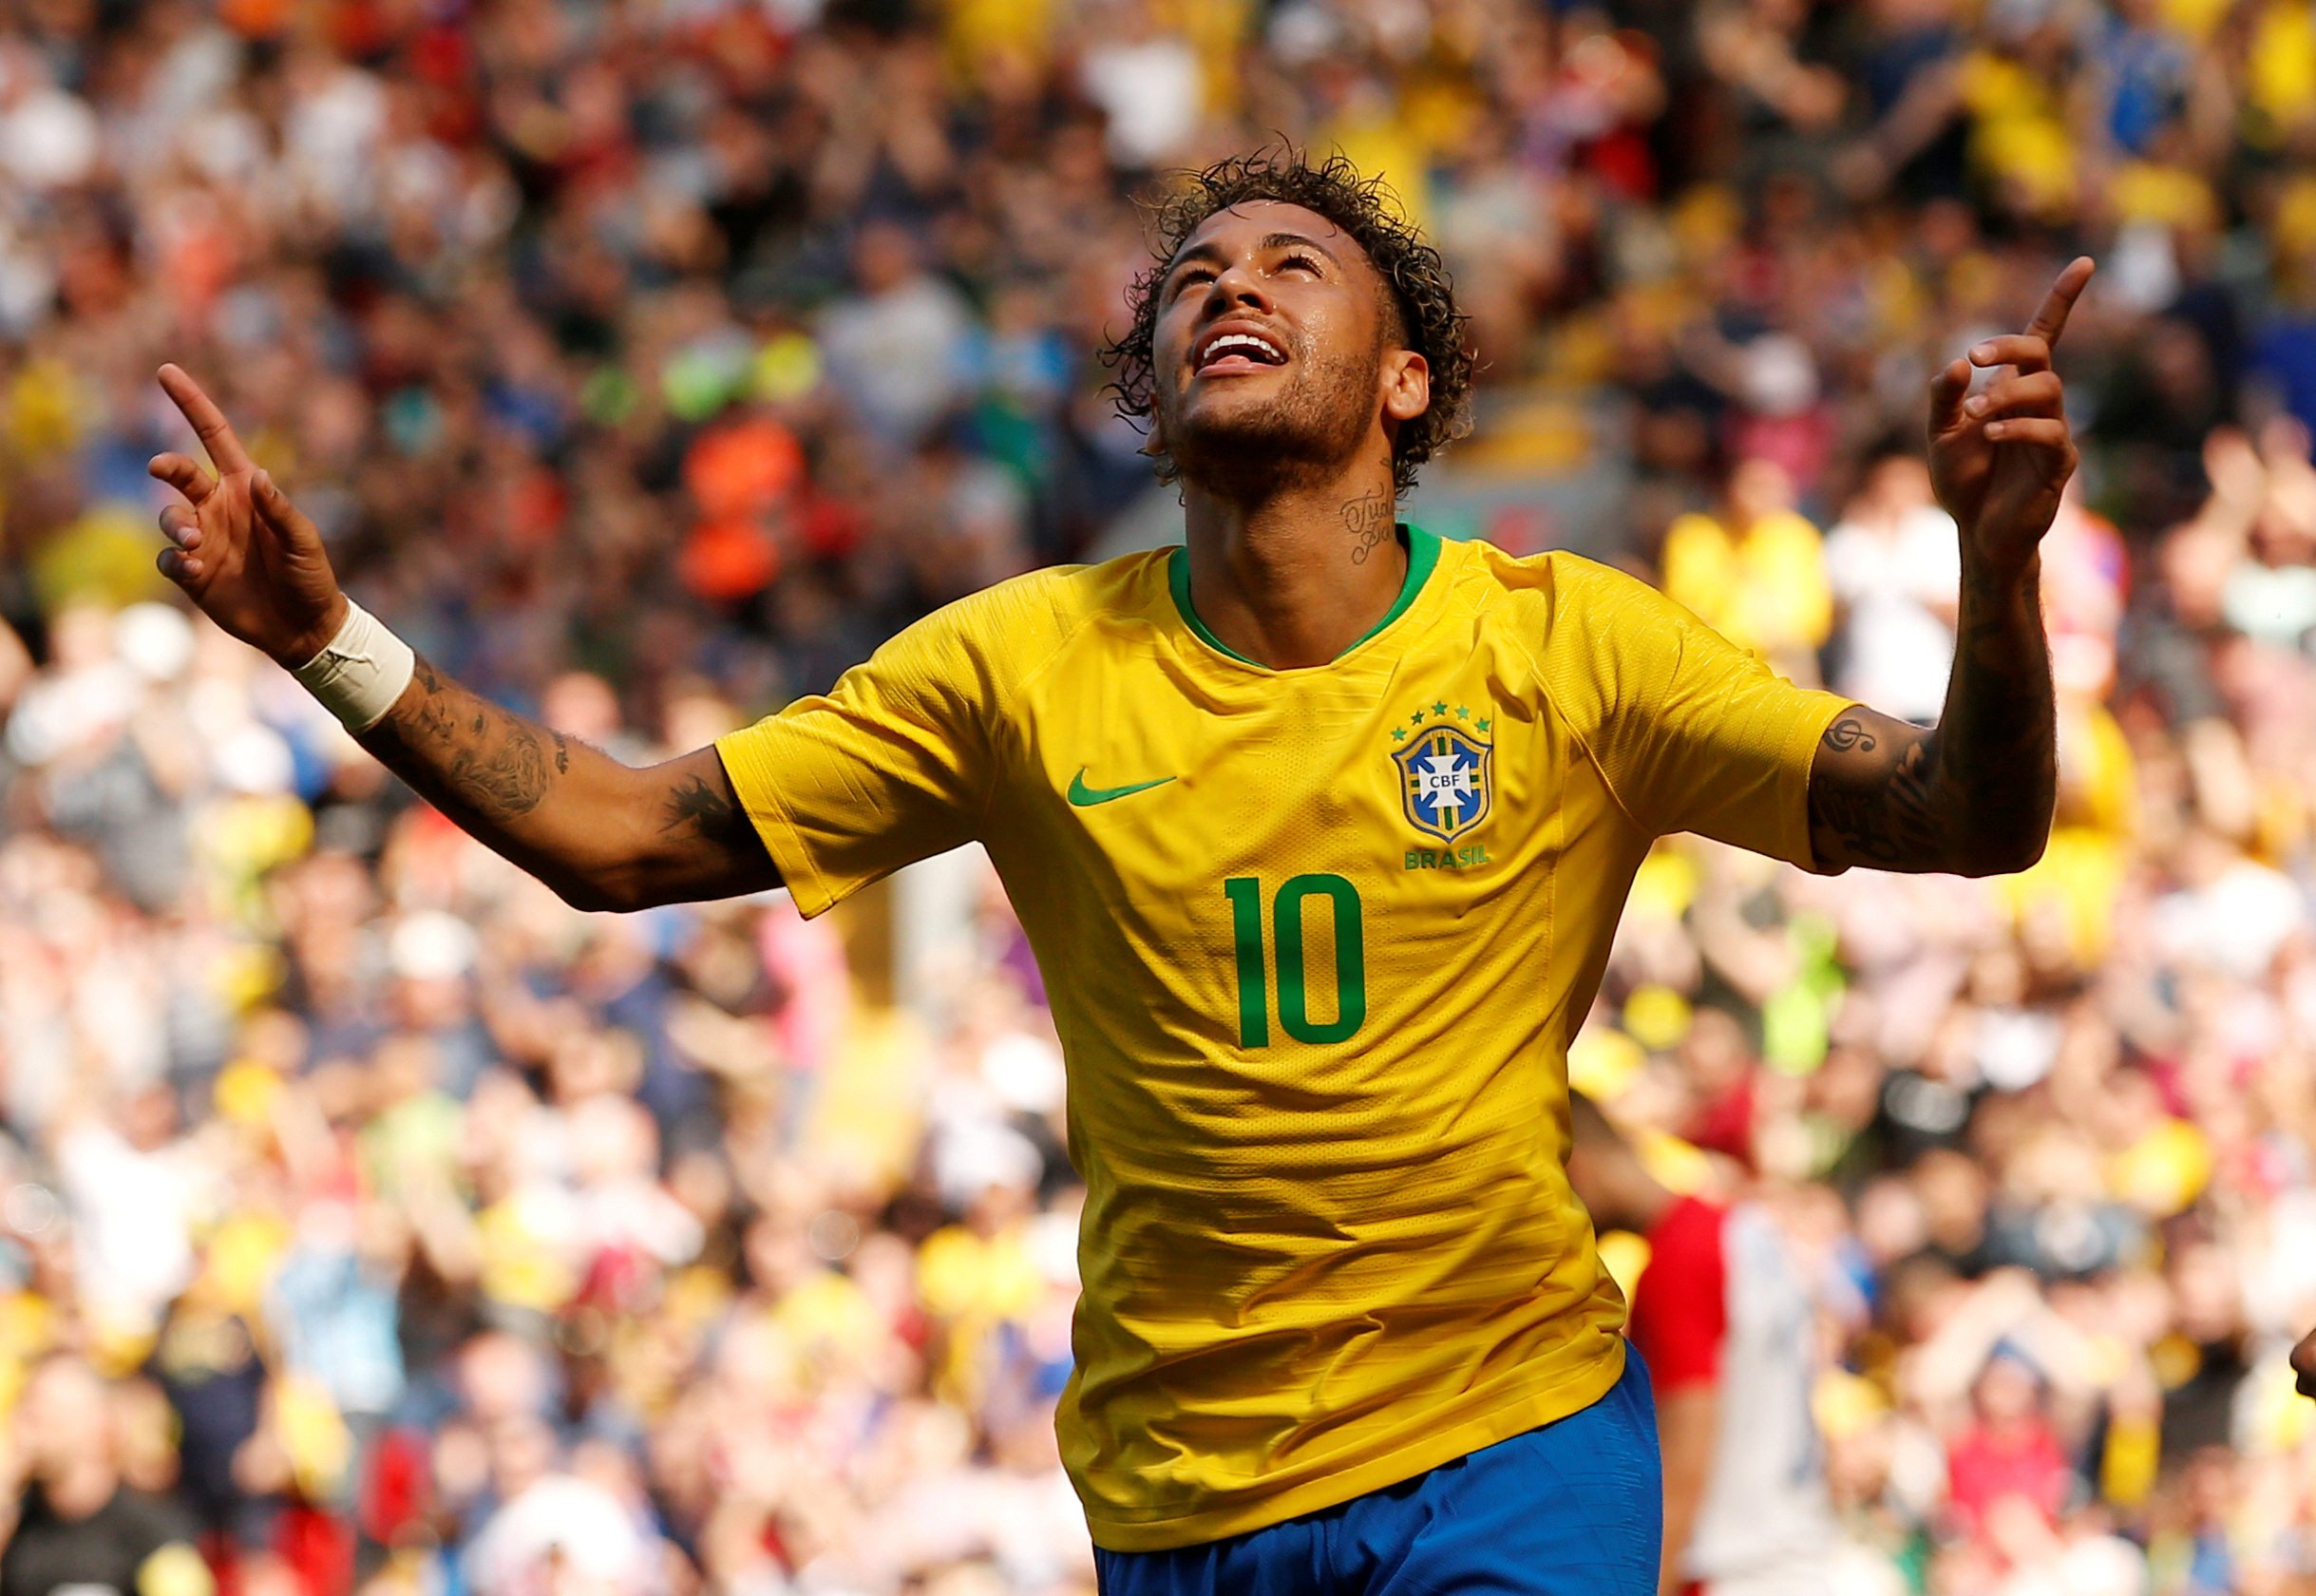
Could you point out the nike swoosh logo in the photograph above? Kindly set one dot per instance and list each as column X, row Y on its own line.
column 1082, row 795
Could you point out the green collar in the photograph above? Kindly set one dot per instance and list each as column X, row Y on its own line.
column 1422, row 554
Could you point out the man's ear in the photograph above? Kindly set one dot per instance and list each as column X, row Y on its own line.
column 1153, row 440
column 1407, row 385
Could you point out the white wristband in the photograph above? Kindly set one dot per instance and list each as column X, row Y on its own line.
column 361, row 672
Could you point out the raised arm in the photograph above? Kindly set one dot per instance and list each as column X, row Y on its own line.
column 603, row 835
column 1973, row 796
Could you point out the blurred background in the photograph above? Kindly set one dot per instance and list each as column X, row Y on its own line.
column 369, row 1221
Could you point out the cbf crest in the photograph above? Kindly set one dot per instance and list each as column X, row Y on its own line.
column 1444, row 755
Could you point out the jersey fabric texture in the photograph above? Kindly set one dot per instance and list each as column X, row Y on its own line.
column 1316, row 942
column 1574, row 1507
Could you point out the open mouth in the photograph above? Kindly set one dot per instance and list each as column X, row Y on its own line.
column 1237, row 350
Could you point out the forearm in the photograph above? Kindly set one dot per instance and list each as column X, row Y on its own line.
column 1974, row 796
column 1995, row 775
column 524, row 791
column 1977, row 795
column 603, row 835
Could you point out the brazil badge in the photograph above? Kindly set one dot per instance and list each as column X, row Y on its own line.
column 1443, row 756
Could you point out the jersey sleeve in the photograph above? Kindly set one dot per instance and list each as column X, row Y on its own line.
column 1693, row 734
column 1680, row 1303
column 893, row 764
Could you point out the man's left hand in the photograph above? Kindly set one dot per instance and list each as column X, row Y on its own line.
column 2001, row 458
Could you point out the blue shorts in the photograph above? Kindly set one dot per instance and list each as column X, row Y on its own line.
column 1575, row 1508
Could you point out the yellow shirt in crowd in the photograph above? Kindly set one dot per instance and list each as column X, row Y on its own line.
column 1763, row 587
column 1316, row 942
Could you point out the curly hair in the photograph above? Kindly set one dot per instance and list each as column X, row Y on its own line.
column 1422, row 302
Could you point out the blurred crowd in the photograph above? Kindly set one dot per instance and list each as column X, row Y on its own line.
column 369, row 1221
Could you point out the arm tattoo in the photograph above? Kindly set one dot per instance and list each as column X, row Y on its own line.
column 2001, row 719
column 1368, row 520
column 429, row 715
column 572, row 815
column 1883, row 817
column 509, row 779
column 1975, row 794
column 1850, row 733
column 700, row 812
column 473, row 760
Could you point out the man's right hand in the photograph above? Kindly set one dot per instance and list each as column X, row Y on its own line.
column 600, row 834
column 241, row 550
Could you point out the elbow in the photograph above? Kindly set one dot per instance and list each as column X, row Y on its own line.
column 2010, row 855
column 602, row 892
column 2031, row 855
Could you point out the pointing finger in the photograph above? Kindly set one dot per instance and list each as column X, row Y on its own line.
column 183, row 473
column 2051, row 317
column 209, row 423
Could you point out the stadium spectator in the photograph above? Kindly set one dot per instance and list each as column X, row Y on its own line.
column 76, row 1523
column 1723, row 1320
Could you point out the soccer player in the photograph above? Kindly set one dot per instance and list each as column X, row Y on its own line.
column 1725, row 1326
column 1314, row 950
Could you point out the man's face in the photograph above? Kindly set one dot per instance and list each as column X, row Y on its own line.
column 1271, row 345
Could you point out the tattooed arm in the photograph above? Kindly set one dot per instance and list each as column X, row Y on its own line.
column 1975, row 795
column 602, row 835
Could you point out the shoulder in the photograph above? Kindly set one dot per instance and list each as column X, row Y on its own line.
column 1016, row 627
column 1061, row 598
column 1561, row 604
column 1555, row 579
column 1596, row 640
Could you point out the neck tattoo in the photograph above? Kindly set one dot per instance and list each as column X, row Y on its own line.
column 1367, row 519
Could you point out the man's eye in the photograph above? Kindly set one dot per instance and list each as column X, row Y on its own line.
column 1191, row 274
column 1303, row 260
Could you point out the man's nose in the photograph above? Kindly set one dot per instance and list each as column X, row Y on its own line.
column 1238, row 284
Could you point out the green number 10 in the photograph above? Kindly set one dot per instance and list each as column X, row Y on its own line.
column 1245, row 895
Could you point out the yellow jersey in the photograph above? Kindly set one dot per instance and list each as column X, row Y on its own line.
column 1316, row 942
